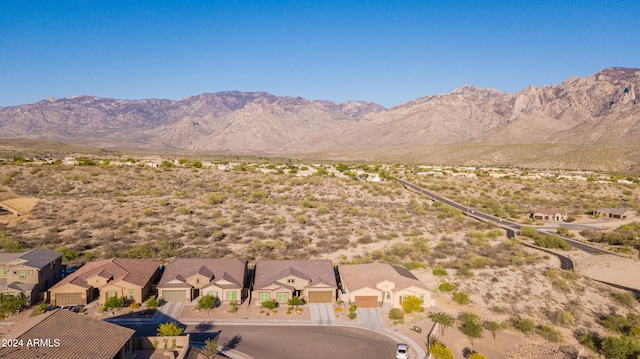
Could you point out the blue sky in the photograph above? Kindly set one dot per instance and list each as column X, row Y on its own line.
column 388, row 52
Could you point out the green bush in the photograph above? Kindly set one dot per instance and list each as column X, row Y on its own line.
column 446, row 287
column 114, row 302
column 624, row 298
column 552, row 242
column 439, row 271
column 152, row 302
column 268, row 304
column 461, row 298
column 10, row 305
column 169, row 330
column 439, row 351
column 396, row 314
column 352, row 315
column 412, row 304
column 523, row 325
column 295, row 301
column 206, row 302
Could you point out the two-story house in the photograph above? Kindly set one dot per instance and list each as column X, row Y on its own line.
column 29, row 274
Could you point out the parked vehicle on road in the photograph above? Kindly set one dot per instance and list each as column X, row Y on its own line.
column 402, row 351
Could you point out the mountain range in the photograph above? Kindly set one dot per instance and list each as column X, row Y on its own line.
column 600, row 110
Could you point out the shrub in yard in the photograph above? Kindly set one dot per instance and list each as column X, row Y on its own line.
column 295, row 301
column 352, row 315
column 477, row 356
column 152, row 302
column 439, row 351
column 412, row 304
column 169, row 329
column 396, row 314
column 134, row 305
column 114, row 302
column 206, row 302
column 268, row 304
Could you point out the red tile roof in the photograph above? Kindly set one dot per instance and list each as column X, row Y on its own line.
column 134, row 271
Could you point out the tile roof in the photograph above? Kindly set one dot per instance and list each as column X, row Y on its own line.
column 269, row 271
column 357, row 276
column 619, row 211
column 36, row 258
column 135, row 271
column 550, row 211
column 80, row 337
column 230, row 269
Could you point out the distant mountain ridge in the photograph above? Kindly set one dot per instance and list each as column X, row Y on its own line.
column 602, row 109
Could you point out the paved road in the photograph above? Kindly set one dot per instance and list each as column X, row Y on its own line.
column 508, row 225
column 284, row 342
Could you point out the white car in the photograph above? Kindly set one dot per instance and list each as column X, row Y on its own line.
column 402, row 351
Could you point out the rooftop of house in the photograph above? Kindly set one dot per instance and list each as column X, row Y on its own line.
column 134, row 271
column 36, row 258
column 229, row 269
column 357, row 276
column 315, row 271
column 78, row 336
column 614, row 210
column 550, row 211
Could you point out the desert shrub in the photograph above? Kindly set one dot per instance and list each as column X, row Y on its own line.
column 439, row 351
column 477, row 356
column 152, row 302
column 412, row 304
column 464, row 271
column 114, row 302
column 624, row 298
column 268, row 304
column 552, row 242
column 446, row 287
column 169, row 329
column 550, row 334
column 523, row 325
column 206, row 302
column 134, row 305
column 10, row 305
column 461, row 298
column 529, row 232
column 396, row 314
column 295, row 301
column 439, row 271
column 352, row 315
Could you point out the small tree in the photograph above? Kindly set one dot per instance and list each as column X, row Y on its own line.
column 152, row 302
column 412, row 304
column 493, row 327
column 210, row 349
column 523, row 325
column 10, row 305
column 169, row 329
column 443, row 319
column 206, row 302
column 470, row 326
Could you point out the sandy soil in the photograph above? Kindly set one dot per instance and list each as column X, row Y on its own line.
column 612, row 269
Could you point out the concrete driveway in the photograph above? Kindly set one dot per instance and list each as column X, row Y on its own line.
column 322, row 313
column 369, row 318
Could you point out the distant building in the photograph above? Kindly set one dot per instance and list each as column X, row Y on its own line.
column 618, row 213
column 556, row 215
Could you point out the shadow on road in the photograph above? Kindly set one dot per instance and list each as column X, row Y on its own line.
column 232, row 343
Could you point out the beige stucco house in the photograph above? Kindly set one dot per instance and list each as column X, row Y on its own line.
column 557, row 215
column 186, row 279
column 617, row 213
column 116, row 277
column 29, row 274
column 376, row 284
column 314, row 281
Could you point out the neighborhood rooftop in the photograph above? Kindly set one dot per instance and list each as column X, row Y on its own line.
column 132, row 271
column 369, row 274
column 316, row 271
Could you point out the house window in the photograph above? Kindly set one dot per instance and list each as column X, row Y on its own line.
column 388, row 295
column 30, row 271
column 422, row 299
column 132, row 294
column 282, row 297
column 198, row 281
column 22, row 274
column 1, row 271
column 232, row 295
column 264, row 297
column 111, row 294
column 291, row 280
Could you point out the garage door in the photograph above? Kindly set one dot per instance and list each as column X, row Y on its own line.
column 69, row 299
column 320, row 297
column 174, row 296
column 367, row 301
